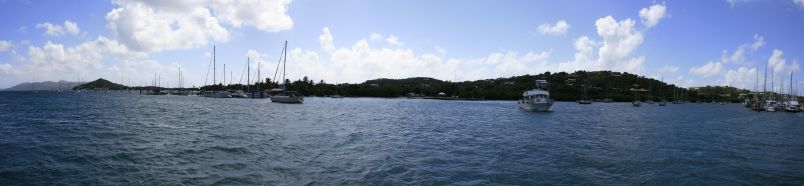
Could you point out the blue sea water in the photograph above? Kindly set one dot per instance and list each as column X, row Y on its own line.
column 102, row 138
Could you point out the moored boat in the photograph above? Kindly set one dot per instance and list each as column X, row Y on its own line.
column 537, row 99
column 282, row 95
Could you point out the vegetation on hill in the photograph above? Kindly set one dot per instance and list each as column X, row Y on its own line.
column 43, row 86
column 563, row 87
column 100, row 84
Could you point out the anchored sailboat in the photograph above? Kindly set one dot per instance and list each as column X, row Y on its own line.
column 281, row 94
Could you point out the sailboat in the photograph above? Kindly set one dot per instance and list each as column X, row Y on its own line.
column 215, row 93
column 792, row 104
column 662, row 102
column 281, row 94
column 585, row 97
column 181, row 91
column 637, row 102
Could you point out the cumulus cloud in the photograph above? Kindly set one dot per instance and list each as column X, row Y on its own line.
column 739, row 55
column 4, row 45
column 393, row 40
column 651, row 15
column 164, row 25
column 742, row 77
column 616, row 49
column 800, row 3
column 668, row 69
column 708, row 70
column 375, row 36
column 54, row 61
column 265, row 15
column 620, row 39
column 326, row 40
column 57, row 30
column 559, row 28
column 362, row 61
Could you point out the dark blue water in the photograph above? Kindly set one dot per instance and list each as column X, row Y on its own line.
column 49, row 138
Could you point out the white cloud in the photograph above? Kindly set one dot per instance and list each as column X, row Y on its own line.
column 651, row 15
column 393, row 40
column 800, row 3
column 615, row 52
column 362, row 61
column 71, row 27
column 735, row 2
column 375, row 36
column 165, row 25
column 708, row 70
column 742, row 77
column 668, row 69
column 153, row 28
column 441, row 50
column 265, row 15
column 620, row 39
column 5, row 70
column 560, row 28
column 4, row 45
column 777, row 62
column 54, row 61
column 57, row 30
column 759, row 41
column 326, row 40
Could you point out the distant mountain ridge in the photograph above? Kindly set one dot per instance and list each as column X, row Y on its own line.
column 43, row 86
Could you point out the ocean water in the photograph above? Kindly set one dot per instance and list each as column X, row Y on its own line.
column 90, row 138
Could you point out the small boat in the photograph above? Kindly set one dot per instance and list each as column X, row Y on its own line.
column 216, row 94
column 336, row 96
column 663, row 103
column 637, row 102
column 283, row 96
column 770, row 106
column 585, row 97
column 792, row 106
column 537, row 99
column 237, row 94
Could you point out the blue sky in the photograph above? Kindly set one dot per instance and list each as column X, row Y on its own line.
column 690, row 43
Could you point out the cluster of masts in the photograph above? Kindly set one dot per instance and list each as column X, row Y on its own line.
column 278, row 94
column 771, row 100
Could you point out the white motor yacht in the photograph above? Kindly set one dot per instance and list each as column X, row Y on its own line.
column 537, row 99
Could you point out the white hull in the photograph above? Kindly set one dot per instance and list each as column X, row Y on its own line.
column 239, row 95
column 538, row 107
column 287, row 99
column 217, row 95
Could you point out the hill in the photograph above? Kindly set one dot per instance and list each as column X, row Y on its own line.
column 101, row 84
column 563, row 87
column 43, row 86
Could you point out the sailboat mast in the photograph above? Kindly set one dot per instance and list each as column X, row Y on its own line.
column 764, row 83
column 248, row 73
column 285, row 62
column 213, row 66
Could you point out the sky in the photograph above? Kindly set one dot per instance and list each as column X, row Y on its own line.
column 687, row 43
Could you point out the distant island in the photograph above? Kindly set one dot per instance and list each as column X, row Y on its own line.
column 563, row 87
column 44, row 86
